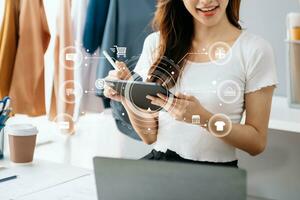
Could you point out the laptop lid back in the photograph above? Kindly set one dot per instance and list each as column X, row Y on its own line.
column 119, row 179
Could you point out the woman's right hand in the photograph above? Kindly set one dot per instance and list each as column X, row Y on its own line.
column 122, row 73
column 140, row 121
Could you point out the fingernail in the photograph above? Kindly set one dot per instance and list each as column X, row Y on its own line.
column 161, row 96
column 149, row 97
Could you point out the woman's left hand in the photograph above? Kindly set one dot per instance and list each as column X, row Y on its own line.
column 183, row 106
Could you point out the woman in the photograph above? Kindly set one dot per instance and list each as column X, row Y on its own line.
column 187, row 32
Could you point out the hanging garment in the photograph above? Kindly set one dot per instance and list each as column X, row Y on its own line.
column 63, row 93
column 125, row 28
column 27, row 87
column 94, row 30
column 85, row 71
column 8, row 44
column 87, row 76
column 95, row 24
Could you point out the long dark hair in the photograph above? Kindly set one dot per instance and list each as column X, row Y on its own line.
column 176, row 27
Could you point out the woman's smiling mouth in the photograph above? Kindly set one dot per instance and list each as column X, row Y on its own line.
column 208, row 11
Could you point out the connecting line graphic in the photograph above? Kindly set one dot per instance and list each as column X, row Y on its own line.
column 102, row 57
column 199, row 91
column 90, row 91
column 192, row 53
column 95, row 57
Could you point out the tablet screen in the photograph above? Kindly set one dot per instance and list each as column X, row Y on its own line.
column 136, row 92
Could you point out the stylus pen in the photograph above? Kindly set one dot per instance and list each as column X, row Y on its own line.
column 8, row 178
column 110, row 60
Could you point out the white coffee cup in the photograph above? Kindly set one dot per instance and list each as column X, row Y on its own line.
column 293, row 26
column 22, row 139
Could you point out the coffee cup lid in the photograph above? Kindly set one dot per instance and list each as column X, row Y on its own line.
column 294, row 19
column 21, row 130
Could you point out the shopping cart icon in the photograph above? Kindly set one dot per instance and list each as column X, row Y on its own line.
column 121, row 51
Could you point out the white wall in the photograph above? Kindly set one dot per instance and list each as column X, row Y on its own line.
column 1, row 11
column 267, row 18
column 51, row 7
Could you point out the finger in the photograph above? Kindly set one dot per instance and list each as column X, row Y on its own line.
column 177, row 103
column 111, row 91
column 112, row 73
column 180, row 95
column 164, row 97
column 118, row 98
column 121, row 66
column 107, row 93
column 112, row 94
column 123, row 71
column 184, row 96
column 121, row 74
column 115, row 74
column 156, row 101
column 151, row 98
column 168, row 102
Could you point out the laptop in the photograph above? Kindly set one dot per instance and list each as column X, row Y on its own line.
column 121, row 179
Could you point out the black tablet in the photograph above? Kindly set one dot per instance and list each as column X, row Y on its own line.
column 136, row 92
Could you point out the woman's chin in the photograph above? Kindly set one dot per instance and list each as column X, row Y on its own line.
column 208, row 23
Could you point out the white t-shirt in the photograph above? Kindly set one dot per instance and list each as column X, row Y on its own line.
column 220, row 125
column 251, row 66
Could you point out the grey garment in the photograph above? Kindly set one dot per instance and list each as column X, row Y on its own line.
column 85, row 71
column 89, row 103
column 128, row 24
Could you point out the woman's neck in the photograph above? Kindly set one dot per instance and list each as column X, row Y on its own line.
column 224, row 31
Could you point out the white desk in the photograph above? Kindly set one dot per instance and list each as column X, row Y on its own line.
column 47, row 181
column 82, row 188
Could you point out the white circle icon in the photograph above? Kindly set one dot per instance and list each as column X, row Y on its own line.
column 229, row 91
column 70, row 92
column 65, row 123
column 220, row 125
column 71, row 57
column 220, row 53
column 99, row 84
